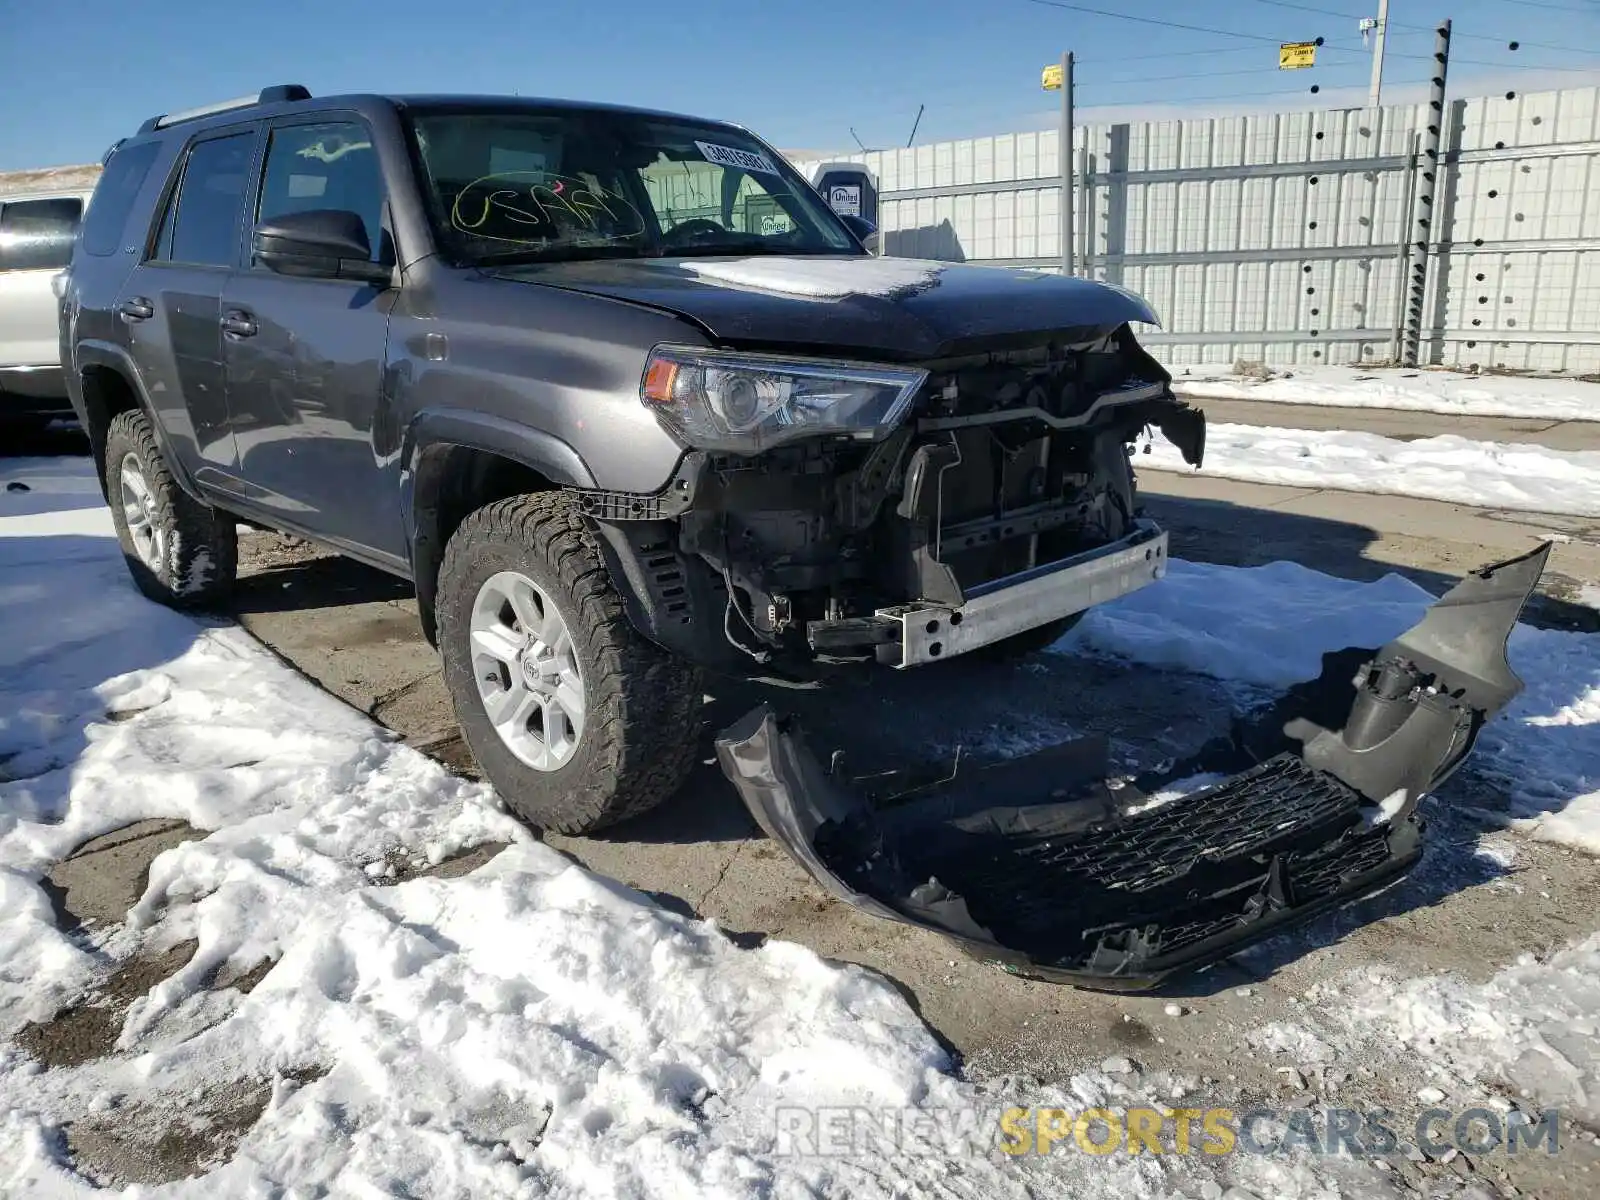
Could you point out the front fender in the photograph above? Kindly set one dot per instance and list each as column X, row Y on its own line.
column 551, row 457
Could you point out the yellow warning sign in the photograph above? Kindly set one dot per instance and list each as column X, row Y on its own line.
column 1050, row 78
column 1294, row 55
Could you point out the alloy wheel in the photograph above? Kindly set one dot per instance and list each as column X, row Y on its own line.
column 526, row 666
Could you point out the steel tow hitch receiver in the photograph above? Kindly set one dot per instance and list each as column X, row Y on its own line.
column 1037, row 863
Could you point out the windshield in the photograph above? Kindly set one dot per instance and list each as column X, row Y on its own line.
column 530, row 185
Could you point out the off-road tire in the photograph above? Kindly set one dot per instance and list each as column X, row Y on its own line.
column 200, row 556
column 641, row 729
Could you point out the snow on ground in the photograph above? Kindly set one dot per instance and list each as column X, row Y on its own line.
column 1485, row 474
column 1534, row 1027
column 1267, row 627
column 1552, row 399
column 528, row 1028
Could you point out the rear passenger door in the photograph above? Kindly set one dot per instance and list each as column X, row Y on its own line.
column 305, row 356
column 169, row 307
column 35, row 242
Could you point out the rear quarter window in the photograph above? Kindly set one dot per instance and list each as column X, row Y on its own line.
column 202, row 222
column 114, row 197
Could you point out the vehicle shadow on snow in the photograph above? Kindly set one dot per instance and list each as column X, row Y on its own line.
column 1217, row 531
column 58, row 438
column 50, row 686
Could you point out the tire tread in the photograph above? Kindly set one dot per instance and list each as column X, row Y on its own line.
column 643, row 704
column 202, row 548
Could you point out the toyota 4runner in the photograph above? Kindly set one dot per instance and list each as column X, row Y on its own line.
column 624, row 400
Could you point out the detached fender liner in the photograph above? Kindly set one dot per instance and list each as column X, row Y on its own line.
column 1041, row 864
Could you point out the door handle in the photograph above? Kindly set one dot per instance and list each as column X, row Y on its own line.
column 136, row 308
column 236, row 323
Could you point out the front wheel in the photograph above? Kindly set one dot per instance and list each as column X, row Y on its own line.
column 180, row 552
column 576, row 718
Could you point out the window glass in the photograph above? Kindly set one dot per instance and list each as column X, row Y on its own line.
column 331, row 165
column 36, row 235
column 736, row 201
column 526, row 183
column 113, row 197
column 210, row 202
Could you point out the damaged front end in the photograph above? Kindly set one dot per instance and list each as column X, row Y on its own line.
column 832, row 513
column 1041, row 864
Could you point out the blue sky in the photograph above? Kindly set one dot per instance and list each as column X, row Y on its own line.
column 801, row 74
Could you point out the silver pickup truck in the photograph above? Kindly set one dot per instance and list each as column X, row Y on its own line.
column 36, row 233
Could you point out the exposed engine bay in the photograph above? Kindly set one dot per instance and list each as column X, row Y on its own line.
column 1007, row 466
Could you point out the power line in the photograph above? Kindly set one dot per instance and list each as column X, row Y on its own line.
column 1480, row 62
column 1510, row 42
column 1321, row 12
column 1241, row 96
column 1117, row 16
column 1328, row 47
column 1212, row 51
column 1186, row 75
column 1588, row 12
column 1397, row 27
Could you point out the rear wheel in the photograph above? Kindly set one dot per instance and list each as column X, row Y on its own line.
column 577, row 719
column 180, row 552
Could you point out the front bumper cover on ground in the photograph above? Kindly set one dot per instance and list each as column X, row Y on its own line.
column 1041, row 863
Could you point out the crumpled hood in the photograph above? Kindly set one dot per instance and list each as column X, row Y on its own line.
column 896, row 308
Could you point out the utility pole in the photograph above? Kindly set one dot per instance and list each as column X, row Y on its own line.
column 1380, row 30
column 1066, row 164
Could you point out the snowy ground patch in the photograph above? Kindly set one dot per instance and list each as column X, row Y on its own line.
column 529, row 1028
column 1451, row 392
column 1263, row 628
column 1532, row 1028
column 1518, row 476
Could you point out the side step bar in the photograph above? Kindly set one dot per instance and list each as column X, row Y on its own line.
column 1039, row 864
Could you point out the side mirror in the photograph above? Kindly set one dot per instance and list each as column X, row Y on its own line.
column 860, row 226
column 321, row 243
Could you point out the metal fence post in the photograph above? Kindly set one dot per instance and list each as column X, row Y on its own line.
column 1067, row 171
column 1424, row 235
column 1408, row 193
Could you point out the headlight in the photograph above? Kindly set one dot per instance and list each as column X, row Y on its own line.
column 747, row 403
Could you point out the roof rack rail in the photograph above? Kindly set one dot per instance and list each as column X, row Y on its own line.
column 277, row 94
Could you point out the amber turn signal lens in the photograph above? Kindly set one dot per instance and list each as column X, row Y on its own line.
column 658, row 381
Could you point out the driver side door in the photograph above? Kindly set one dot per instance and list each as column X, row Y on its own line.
column 304, row 356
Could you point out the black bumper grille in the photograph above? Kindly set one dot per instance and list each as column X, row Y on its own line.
column 1277, row 839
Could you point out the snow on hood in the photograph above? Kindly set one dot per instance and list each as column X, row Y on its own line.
column 821, row 278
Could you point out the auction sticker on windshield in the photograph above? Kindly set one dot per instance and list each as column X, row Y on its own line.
column 745, row 160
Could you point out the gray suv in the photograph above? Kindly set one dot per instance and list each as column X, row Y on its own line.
column 620, row 395
column 626, row 401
